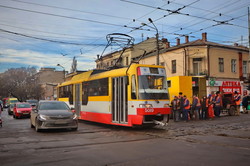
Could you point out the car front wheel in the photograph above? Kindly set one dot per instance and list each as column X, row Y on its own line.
column 36, row 127
column 31, row 125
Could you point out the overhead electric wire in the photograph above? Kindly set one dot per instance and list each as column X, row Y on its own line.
column 69, row 9
column 49, row 40
column 56, row 15
column 35, row 30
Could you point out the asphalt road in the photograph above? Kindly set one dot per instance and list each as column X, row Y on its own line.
column 222, row 141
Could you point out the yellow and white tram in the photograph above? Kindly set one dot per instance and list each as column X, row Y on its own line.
column 132, row 96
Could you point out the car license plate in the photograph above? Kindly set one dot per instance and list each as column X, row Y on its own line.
column 60, row 122
column 25, row 113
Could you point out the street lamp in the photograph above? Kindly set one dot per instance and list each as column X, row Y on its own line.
column 157, row 39
column 63, row 71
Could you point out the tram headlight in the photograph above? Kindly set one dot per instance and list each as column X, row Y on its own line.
column 145, row 105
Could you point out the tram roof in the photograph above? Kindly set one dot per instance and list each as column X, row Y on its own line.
column 97, row 74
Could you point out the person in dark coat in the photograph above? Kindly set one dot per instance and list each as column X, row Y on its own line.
column 245, row 103
column 175, row 109
column 217, row 104
column 196, row 106
column 186, row 108
column 181, row 103
column 204, row 107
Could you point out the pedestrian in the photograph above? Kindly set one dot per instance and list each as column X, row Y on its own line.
column 1, row 109
column 210, row 107
column 196, row 106
column 246, row 103
column 237, row 100
column 181, row 105
column 186, row 108
column 175, row 109
column 204, row 107
column 217, row 104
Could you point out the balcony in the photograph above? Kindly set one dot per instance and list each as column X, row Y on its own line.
column 199, row 73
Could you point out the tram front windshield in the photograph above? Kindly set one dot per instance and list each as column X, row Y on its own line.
column 152, row 87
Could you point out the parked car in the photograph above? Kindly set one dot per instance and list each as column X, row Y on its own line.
column 10, row 109
column 33, row 102
column 21, row 110
column 53, row 115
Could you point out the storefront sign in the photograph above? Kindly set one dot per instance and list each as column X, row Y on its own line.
column 231, row 83
column 226, row 89
column 226, row 86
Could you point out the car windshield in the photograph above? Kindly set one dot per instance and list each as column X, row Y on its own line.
column 32, row 101
column 53, row 106
column 23, row 106
column 13, row 101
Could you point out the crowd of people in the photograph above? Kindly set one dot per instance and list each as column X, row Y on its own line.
column 206, row 107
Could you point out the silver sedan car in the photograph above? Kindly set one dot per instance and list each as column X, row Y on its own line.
column 53, row 115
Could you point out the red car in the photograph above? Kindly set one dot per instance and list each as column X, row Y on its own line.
column 21, row 110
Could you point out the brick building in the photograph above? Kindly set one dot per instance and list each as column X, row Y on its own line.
column 49, row 78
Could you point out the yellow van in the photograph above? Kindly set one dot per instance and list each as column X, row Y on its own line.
column 11, row 101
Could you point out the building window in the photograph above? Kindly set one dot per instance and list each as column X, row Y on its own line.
column 244, row 68
column 126, row 61
column 173, row 66
column 197, row 66
column 233, row 65
column 221, row 64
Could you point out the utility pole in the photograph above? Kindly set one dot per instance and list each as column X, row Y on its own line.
column 157, row 42
column 63, row 71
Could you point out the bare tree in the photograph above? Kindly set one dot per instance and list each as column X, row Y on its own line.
column 21, row 83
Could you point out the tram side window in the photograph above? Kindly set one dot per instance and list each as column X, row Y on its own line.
column 66, row 92
column 70, row 94
column 85, row 93
column 98, row 87
column 133, row 88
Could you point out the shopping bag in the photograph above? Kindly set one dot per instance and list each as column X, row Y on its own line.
column 248, row 107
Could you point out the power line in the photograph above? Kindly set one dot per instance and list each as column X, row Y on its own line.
column 49, row 40
column 68, row 9
column 56, row 15
column 77, row 36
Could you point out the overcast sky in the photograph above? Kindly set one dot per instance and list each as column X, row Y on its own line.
column 44, row 33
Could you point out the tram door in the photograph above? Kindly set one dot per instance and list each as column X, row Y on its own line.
column 119, row 100
column 77, row 103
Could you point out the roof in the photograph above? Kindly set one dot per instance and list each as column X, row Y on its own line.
column 199, row 42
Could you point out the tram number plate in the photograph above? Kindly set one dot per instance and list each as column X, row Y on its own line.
column 149, row 110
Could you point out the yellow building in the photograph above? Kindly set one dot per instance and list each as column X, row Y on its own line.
column 224, row 66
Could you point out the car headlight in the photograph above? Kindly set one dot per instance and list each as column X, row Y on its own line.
column 18, row 111
column 43, row 117
column 74, row 116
